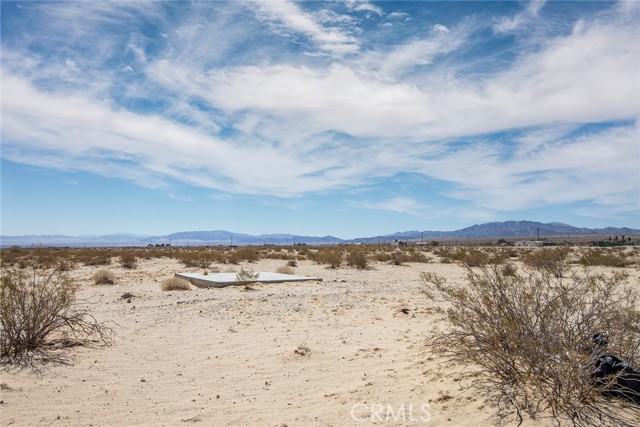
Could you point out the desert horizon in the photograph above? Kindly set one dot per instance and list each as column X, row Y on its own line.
column 350, row 350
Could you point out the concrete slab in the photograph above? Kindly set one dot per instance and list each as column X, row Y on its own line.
column 220, row 280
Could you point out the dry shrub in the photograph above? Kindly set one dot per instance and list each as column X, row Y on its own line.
column 398, row 257
column 175, row 284
column 39, row 312
column 94, row 257
column 128, row 259
column 357, row 258
column 11, row 256
column 527, row 338
column 292, row 263
column 103, row 277
column 330, row 256
column 244, row 253
column 604, row 258
column 285, row 270
column 509, row 269
column 201, row 259
column 553, row 260
column 417, row 256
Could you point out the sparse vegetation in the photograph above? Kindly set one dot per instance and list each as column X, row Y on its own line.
column 244, row 253
column 357, row 257
column 604, row 257
column 103, row 277
column 175, row 284
column 330, row 255
column 38, row 313
column 199, row 259
column 128, row 259
column 527, row 337
column 552, row 260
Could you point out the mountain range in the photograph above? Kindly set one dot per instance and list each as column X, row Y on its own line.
column 506, row 229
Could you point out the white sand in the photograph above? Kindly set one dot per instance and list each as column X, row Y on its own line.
column 227, row 356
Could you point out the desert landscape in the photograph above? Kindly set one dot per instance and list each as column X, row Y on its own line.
column 349, row 350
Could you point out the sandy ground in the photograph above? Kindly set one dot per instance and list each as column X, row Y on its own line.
column 334, row 353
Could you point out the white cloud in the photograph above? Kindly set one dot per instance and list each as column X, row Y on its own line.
column 298, row 126
column 363, row 6
column 333, row 40
column 521, row 19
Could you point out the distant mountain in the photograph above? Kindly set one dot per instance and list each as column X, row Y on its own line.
column 506, row 229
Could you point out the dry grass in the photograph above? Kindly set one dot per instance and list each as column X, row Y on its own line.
column 103, row 277
column 175, row 284
column 527, row 338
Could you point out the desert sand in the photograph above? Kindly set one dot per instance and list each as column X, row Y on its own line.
column 341, row 352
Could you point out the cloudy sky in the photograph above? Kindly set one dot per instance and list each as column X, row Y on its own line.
column 349, row 118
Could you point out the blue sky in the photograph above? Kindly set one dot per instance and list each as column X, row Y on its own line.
column 348, row 118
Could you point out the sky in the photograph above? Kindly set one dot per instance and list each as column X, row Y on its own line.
column 345, row 118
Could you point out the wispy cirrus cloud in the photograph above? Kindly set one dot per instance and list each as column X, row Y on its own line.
column 212, row 101
column 396, row 204
column 289, row 18
column 520, row 19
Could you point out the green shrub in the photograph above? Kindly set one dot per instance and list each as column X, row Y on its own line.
column 246, row 276
column 38, row 311
column 526, row 339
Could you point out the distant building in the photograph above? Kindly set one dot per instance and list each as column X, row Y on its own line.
column 530, row 243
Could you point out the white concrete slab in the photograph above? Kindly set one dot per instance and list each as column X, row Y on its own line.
column 220, row 280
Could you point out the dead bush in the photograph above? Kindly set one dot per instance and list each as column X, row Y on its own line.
column 175, row 284
column 527, row 339
column 103, row 277
column 39, row 313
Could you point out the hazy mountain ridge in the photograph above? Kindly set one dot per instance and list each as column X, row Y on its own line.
column 506, row 229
